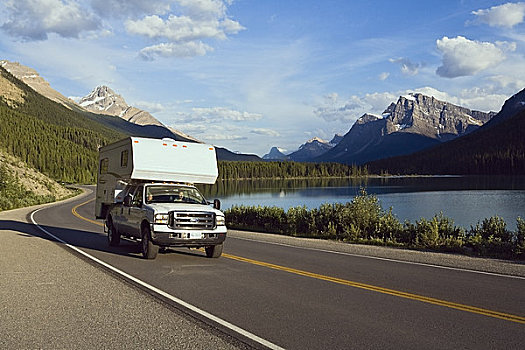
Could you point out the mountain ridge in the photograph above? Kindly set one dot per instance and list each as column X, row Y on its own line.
column 104, row 100
column 494, row 149
column 413, row 123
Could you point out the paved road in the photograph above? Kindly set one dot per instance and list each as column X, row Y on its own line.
column 52, row 299
column 298, row 298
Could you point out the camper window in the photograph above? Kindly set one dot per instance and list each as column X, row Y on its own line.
column 104, row 163
column 124, row 158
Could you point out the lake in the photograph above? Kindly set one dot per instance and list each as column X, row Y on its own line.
column 465, row 199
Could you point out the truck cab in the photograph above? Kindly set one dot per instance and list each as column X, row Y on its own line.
column 167, row 215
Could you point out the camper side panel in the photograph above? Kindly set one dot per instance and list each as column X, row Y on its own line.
column 114, row 169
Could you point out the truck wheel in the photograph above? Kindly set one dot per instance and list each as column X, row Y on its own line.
column 149, row 250
column 113, row 235
column 214, row 251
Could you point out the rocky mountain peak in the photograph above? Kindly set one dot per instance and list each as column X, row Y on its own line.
column 428, row 116
column 105, row 101
column 336, row 139
column 367, row 118
column 31, row 77
column 314, row 140
column 275, row 153
column 414, row 122
column 511, row 107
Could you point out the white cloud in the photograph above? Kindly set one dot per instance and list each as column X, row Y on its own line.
column 215, row 132
column 184, row 34
column 464, row 57
column 124, row 8
column 151, row 107
column 36, row 19
column 383, row 76
column 216, row 115
column 407, row 67
column 185, row 49
column 265, row 132
column 507, row 15
column 335, row 110
column 224, row 137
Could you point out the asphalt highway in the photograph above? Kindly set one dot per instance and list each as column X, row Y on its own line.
column 298, row 297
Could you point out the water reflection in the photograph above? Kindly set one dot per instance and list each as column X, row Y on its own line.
column 467, row 200
column 372, row 185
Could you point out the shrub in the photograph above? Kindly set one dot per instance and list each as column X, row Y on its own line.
column 520, row 238
column 389, row 228
column 492, row 238
column 364, row 221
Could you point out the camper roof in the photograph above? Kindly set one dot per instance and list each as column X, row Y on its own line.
column 168, row 160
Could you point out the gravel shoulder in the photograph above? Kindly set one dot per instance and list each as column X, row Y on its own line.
column 513, row 268
column 51, row 299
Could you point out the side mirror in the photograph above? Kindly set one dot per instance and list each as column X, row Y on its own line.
column 127, row 200
column 217, row 204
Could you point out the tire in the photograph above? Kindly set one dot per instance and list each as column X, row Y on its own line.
column 149, row 250
column 214, row 251
column 113, row 235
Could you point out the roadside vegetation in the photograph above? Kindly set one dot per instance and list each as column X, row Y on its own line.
column 22, row 186
column 14, row 195
column 364, row 221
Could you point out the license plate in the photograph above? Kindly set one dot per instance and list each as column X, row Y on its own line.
column 193, row 235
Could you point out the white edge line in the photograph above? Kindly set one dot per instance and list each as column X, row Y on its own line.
column 161, row 292
column 384, row 259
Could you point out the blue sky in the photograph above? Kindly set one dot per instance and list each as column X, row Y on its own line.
column 252, row 74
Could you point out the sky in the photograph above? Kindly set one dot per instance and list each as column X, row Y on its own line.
column 252, row 74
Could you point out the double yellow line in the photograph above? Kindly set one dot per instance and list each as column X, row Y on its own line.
column 429, row 300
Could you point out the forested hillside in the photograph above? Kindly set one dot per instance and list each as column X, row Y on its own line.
column 235, row 170
column 493, row 150
column 57, row 141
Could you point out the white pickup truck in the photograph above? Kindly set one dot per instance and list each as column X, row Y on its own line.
column 145, row 191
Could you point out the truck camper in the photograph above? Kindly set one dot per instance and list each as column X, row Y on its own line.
column 145, row 190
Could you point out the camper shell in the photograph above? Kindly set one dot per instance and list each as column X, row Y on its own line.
column 145, row 190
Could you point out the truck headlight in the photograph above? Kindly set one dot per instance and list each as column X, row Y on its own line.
column 161, row 219
column 219, row 220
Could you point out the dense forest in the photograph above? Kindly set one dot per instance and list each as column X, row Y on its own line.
column 493, row 150
column 285, row 170
column 59, row 142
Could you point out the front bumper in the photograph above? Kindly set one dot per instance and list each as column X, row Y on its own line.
column 163, row 236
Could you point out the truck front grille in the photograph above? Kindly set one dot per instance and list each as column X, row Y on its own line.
column 191, row 220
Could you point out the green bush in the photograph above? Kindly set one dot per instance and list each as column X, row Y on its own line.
column 520, row 237
column 491, row 238
column 364, row 221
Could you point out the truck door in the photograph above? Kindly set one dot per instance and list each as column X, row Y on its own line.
column 136, row 213
column 121, row 212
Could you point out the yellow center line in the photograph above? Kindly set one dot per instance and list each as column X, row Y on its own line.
column 462, row 307
column 429, row 300
column 74, row 211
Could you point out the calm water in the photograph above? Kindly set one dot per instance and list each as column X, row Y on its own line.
column 467, row 200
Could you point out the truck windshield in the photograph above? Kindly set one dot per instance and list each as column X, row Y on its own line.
column 173, row 194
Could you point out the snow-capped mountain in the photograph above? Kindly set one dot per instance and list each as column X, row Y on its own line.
column 103, row 100
column 413, row 123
